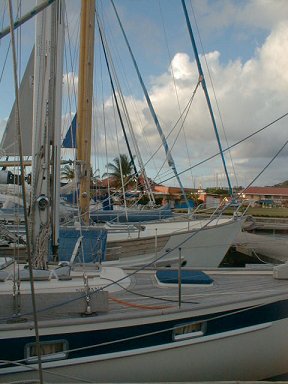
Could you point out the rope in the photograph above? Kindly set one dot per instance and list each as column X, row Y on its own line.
column 231, row 146
column 19, row 134
column 140, row 306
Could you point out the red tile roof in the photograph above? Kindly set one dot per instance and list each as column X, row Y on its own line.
column 273, row 191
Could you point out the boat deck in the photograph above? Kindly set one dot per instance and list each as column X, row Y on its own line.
column 144, row 296
column 228, row 287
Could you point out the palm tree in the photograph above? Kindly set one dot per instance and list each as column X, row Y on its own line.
column 67, row 173
column 120, row 166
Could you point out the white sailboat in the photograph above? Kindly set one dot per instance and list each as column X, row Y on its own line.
column 138, row 244
column 101, row 324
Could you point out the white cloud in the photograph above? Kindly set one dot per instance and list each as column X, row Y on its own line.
column 70, row 84
column 250, row 95
column 263, row 14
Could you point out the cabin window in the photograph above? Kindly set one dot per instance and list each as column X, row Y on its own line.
column 50, row 350
column 188, row 331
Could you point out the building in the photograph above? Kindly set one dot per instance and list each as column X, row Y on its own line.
column 266, row 196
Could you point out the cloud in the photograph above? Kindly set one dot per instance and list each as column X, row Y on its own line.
column 249, row 94
column 216, row 16
column 251, row 91
column 70, row 84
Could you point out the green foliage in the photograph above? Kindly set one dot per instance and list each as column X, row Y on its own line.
column 284, row 184
column 120, row 165
column 67, row 173
column 217, row 191
column 144, row 200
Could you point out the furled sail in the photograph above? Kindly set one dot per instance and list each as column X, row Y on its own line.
column 9, row 145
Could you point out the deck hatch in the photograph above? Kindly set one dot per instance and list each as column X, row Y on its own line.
column 170, row 276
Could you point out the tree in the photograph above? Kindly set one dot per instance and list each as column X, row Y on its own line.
column 67, row 173
column 120, row 165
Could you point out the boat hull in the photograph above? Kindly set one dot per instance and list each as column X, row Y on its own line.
column 198, row 248
column 230, row 352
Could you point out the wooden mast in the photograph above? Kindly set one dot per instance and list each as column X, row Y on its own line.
column 84, row 110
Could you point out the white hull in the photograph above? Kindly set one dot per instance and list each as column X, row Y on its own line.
column 252, row 353
column 160, row 242
column 199, row 248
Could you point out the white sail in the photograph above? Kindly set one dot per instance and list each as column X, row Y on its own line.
column 9, row 145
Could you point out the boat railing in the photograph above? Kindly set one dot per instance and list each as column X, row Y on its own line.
column 217, row 212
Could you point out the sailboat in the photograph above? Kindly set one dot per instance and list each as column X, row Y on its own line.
column 84, row 322
column 142, row 243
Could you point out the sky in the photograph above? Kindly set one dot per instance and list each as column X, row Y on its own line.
column 242, row 47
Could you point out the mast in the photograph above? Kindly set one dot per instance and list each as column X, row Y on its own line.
column 203, row 82
column 43, row 133
column 56, row 104
column 168, row 153
column 108, row 59
column 84, row 109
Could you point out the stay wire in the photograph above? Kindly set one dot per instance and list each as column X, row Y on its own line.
column 267, row 165
column 175, row 88
column 231, row 146
column 213, row 89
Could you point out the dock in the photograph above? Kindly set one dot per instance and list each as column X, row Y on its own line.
column 259, row 239
column 266, row 223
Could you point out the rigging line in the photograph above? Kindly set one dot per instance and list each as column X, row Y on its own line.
column 19, row 45
column 174, row 83
column 31, row 368
column 19, row 136
column 105, row 134
column 126, row 114
column 72, row 61
column 139, row 269
column 213, row 89
column 3, row 11
column 9, row 45
column 5, row 61
column 267, row 165
column 185, row 117
column 117, row 104
column 206, row 94
column 231, row 146
column 172, row 129
column 26, row 17
column 152, row 297
column 203, row 318
column 170, row 160
column 120, row 165
column 161, row 256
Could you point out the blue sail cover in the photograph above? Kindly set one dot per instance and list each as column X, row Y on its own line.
column 70, row 138
column 92, row 250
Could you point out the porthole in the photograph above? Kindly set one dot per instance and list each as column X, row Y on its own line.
column 188, row 331
column 49, row 350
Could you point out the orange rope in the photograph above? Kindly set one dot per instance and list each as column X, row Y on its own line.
column 127, row 304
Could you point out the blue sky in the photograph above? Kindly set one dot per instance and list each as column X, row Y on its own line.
column 244, row 43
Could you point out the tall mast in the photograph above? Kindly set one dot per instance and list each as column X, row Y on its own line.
column 43, row 125
column 85, row 92
column 56, row 105
column 203, row 82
